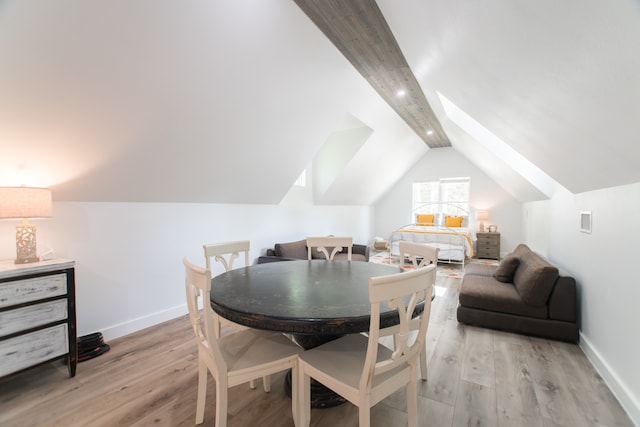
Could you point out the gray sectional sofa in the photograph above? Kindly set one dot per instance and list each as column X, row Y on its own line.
column 524, row 294
column 298, row 250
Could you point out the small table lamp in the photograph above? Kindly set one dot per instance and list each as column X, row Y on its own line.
column 482, row 216
column 24, row 203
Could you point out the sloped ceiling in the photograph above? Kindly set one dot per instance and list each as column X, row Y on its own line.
column 557, row 82
column 169, row 101
column 227, row 102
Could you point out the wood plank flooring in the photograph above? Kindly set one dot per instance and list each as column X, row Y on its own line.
column 477, row 377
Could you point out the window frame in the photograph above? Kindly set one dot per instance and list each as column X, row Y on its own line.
column 442, row 201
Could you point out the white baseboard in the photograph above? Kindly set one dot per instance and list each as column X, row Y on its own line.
column 134, row 325
column 626, row 398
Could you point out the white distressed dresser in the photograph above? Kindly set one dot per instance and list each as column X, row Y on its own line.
column 37, row 314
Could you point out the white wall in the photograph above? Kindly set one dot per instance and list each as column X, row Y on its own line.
column 129, row 255
column 393, row 210
column 603, row 264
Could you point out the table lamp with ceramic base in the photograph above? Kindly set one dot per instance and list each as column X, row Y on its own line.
column 482, row 216
column 26, row 243
column 23, row 203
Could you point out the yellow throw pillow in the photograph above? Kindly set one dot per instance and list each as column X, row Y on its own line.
column 453, row 221
column 424, row 219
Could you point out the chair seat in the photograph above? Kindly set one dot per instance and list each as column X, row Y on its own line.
column 246, row 349
column 343, row 360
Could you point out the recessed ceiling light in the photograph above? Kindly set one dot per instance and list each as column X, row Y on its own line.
column 429, row 132
column 401, row 92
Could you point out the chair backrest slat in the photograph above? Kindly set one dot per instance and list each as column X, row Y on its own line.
column 232, row 250
column 323, row 243
column 420, row 254
column 402, row 291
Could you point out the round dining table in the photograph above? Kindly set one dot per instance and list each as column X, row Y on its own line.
column 314, row 301
column 315, row 297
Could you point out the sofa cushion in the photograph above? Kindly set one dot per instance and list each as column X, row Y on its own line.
column 486, row 293
column 535, row 277
column 292, row 250
column 479, row 269
column 506, row 269
column 318, row 254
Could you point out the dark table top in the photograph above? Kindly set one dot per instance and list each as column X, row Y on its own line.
column 302, row 297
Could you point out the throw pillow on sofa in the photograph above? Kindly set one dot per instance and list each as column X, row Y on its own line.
column 292, row 250
column 535, row 277
column 506, row 269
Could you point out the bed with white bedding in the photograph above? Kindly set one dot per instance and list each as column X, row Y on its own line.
column 444, row 226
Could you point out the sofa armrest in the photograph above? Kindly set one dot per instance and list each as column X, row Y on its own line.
column 472, row 269
column 360, row 249
column 563, row 302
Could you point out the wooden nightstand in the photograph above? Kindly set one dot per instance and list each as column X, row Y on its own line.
column 488, row 245
column 37, row 314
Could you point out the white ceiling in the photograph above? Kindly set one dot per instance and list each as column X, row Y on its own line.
column 559, row 82
column 227, row 102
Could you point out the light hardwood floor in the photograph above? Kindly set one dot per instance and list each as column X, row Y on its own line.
column 477, row 377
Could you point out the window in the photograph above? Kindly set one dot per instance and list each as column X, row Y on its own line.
column 447, row 190
column 302, row 179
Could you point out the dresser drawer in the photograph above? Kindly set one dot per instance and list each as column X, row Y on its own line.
column 31, row 316
column 489, row 239
column 488, row 245
column 486, row 253
column 30, row 349
column 26, row 290
column 486, row 248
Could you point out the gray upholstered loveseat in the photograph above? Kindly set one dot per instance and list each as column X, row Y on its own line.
column 524, row 294
column 298, row 250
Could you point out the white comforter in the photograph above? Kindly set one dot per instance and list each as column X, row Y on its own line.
column 454, row 243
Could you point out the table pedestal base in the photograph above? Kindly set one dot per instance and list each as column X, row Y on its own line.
column 321, row 396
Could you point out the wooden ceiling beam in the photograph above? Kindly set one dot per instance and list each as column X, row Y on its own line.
column 358, row 29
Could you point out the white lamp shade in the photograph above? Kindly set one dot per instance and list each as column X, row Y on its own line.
column 25, row 202
column 482, row 215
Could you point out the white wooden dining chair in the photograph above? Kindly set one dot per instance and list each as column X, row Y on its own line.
column 323, row 244
column 358, row 367
column 235, row 358
column 420, row 255
column 226, row 253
